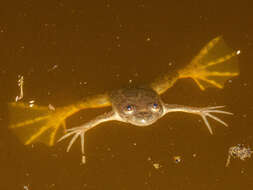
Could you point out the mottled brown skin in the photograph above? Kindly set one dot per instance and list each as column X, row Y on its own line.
column 139, row 106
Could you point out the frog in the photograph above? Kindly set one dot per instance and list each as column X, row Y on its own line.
column 139, row 106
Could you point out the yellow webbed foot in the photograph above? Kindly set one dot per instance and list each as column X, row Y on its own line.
column 40, row 124
column 213, row 66
column 37, row 123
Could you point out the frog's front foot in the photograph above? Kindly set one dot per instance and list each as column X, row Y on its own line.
column 203, row 112
column 208, row 112
column 76, row 132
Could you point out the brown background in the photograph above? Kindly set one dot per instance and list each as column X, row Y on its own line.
column 101, row 45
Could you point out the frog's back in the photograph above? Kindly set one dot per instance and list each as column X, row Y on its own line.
column 130, row 95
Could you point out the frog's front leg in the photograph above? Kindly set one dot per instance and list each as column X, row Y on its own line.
column 203, row 112
column 82, row 129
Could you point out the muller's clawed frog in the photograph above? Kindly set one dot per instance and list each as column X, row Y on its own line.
column 139, row 106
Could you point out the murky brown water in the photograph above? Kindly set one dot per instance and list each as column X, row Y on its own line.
column 67, row 51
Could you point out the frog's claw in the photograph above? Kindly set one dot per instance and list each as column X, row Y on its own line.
column 40, row 124
column 213, row 66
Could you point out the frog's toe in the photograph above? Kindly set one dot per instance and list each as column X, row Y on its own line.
column 66, row 136
column 207, row 112
column 217, row 119
column 73, row 140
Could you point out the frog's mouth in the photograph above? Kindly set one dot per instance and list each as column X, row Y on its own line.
column 143, row 119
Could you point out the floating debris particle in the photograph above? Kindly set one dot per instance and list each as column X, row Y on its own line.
column 53, row 68
column 239, row 151
column 26, row 187
column 21, row 85
column 170, row 64
column 31, row 103
column 148, row 39
column 157, row 165
column 51, row 107
column 177, row 159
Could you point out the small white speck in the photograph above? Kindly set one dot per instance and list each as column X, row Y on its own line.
column 177, row 159
column 244, row 115
column 51, row 107
column 31, row 103
column 148, row 39
column 52, row 185
column 52, row 68
column 157, row 166
column 245, row 84
column 83, row 83
column 136, row 74
column 238, row 52
column 27, row 174
column 130, row 81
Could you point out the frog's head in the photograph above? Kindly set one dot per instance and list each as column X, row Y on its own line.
column 140, row 106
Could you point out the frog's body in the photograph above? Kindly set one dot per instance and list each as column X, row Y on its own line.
column 140, row 106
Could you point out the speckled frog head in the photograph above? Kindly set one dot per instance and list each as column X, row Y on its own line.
column 138, row 106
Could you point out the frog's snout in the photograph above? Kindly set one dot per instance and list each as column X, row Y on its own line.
column 144, row 118
column 144, row 115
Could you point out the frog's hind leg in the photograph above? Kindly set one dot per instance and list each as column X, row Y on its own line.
column 40, row 124
column 213, row 66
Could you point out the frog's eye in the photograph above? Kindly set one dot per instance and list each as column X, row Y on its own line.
column 129, row 109
column 155, row 107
